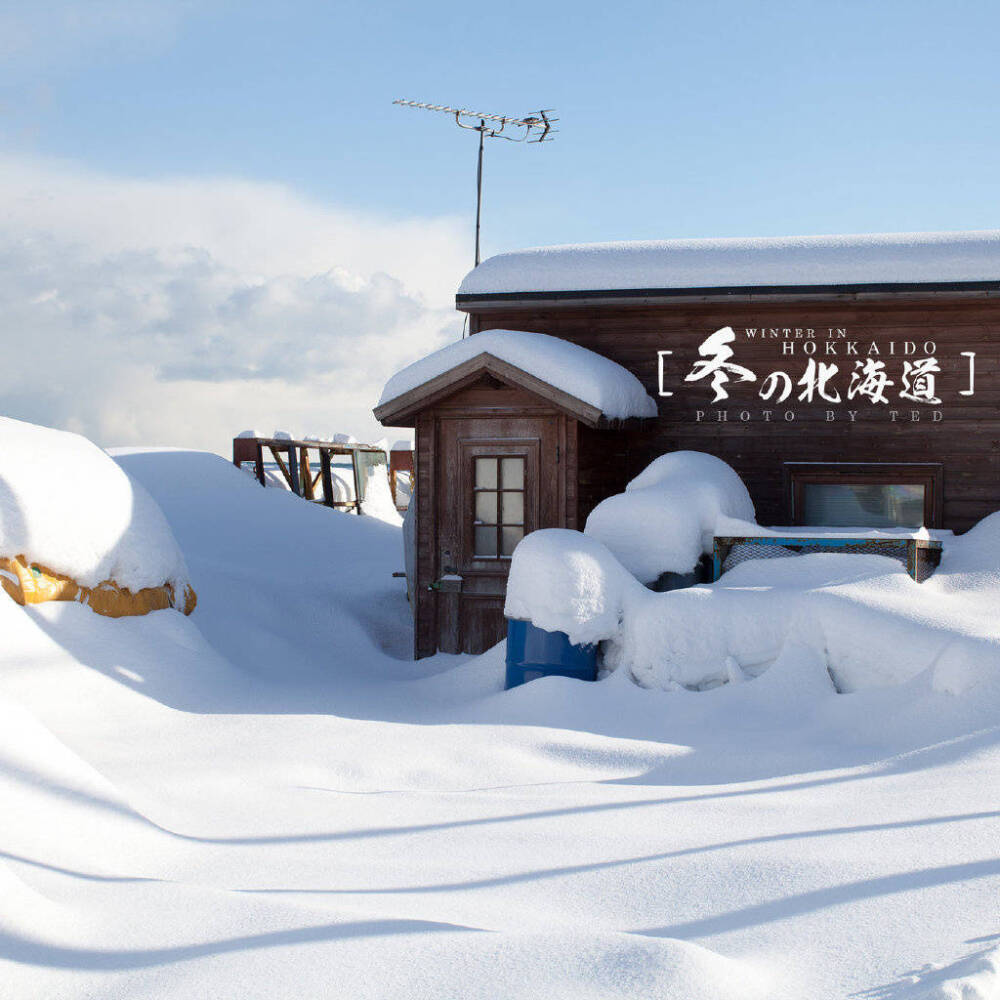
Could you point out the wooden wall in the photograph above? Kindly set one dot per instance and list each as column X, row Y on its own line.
column 471, row 620
column 966, row 441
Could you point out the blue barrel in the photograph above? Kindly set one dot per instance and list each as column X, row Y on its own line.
column 532, row 652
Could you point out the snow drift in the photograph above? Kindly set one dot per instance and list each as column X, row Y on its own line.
column 270, row 800
column 861, row 617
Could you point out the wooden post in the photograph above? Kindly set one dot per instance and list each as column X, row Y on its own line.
column 293, row 471
column 258, row 464
column 357, row 480
column 324, row 471
column 305, row 474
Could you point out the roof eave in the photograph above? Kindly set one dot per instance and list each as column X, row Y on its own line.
column 473, row 302
column 402, row 411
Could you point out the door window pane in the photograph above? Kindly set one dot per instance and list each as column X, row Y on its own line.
column 863, row 505
column 486, row 543
column 498, row 506
column 486, row 507
column 486, row 474
column 513, row 508
column 512, row 470
column 509, row 539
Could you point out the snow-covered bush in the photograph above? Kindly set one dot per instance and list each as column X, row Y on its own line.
column 666, row 517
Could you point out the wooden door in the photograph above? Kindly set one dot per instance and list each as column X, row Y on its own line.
column 499, row 479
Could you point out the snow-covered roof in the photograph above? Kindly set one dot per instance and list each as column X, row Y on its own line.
column 585, row 376
column 761, row 263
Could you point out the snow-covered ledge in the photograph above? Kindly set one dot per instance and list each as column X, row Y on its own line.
column 592, row 385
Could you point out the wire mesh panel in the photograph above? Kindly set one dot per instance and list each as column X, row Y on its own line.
column 920, row 556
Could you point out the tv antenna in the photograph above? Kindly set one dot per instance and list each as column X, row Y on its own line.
column 536, row 127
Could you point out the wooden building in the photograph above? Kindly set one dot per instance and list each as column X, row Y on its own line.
column 841, row 377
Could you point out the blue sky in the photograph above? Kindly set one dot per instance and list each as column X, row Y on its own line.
column 677, row 119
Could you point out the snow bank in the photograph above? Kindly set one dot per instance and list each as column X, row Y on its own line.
column 740, row 263
column 378, row 501
column 591, row 377
column 667, row 516
column 563, row 581
column 861, row 615
column 271, row 801
column 65, row 505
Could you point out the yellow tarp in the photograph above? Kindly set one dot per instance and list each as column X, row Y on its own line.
column 29, row 583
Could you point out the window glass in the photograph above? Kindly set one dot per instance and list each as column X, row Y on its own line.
column 513, row 508
column 509, row 539
column 863, row 505
column 486, row 474
column 498, row 506
column 486, row 542
column 513, row 473
column 486, row 507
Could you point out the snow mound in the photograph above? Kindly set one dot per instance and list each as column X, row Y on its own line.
column 590, row 377
column 667, row 516
column 577, row 965
column 853, row 621
column 67, row 506
column 743, row 262
column 563, row 581
column 862, row 616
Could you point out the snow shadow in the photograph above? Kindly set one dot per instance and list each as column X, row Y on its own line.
column 819, row 899
column 34, row 952
column 975, row 975
column 582, row 869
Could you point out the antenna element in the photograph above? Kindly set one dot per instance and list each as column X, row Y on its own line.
column 533, row 128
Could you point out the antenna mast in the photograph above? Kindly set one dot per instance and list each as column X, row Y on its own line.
column 536, row 127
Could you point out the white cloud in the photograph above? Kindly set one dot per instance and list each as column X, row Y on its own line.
column 48, row 35
column 182, row 311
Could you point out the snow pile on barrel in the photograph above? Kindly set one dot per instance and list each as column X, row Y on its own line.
column 590, row 377
column 67, row 506
column 563, row 581
column 667, row 516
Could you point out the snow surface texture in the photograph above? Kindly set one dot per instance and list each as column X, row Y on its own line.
column 591, row 377
column 67, row 506
column 667, row 516
column 740, row 263
column 269, row 800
